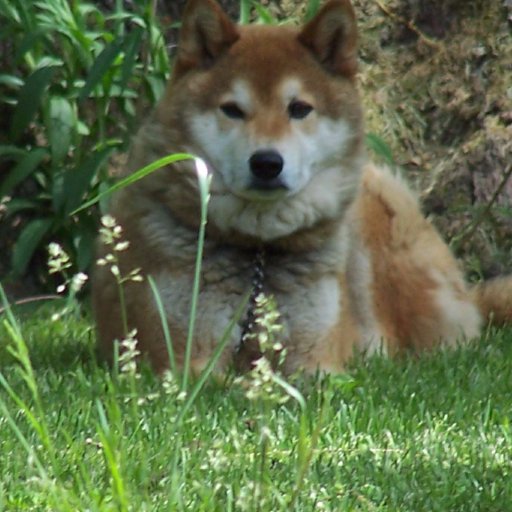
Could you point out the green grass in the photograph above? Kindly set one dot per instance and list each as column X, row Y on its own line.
column 430, row 433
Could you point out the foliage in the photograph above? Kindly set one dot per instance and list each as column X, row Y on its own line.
column 72, row 75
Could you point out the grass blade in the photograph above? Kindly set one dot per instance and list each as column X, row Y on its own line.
column 60, row 128
column 131, row 48
column 207, row 371
column 136, row 176
column 380, row 148
column 101, row 66
column 245, row 12
column 31, row 452
column 264, row 15
column 165, row 324
column 109, row 450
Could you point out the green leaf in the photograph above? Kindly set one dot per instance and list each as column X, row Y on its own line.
column 264, row 15
column 8, row 11
column 156, row 86
column 18, row 204
column 380, row 148
column 28, row 44
column 61, row 126
column 104, row 196
column 27, row 243
column 101, row 66
column 9, row 152
column 30, row 98
column 55, row 188
column 78, row 181
column 82, row 128
column 131, row 48
column 311, row 9
column 11, row 81
column 84, row 242
column 245, row 12
column 136, row 176
column 23, row 169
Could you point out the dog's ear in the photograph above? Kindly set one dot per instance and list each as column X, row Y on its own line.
column 332, row 37
column 206, row 32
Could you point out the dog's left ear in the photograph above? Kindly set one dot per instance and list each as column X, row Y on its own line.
column 206, row 33
column 332, row 37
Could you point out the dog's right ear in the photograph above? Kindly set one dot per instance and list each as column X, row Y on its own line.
column 206, row 33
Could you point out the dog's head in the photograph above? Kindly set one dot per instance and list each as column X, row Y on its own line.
column 274, row 112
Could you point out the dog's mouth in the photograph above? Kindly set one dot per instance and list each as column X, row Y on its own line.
column 266, row 191
column 277, row 184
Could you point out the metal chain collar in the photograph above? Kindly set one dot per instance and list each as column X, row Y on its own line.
column 248, row 349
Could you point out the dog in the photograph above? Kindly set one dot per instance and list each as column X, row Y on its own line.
column 342, row 245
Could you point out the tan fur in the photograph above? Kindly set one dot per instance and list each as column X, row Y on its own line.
column 409, row 263
column 352, row 262
column 494, row 300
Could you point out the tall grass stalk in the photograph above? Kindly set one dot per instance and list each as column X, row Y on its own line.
column 122, row 307
column 208, row 369
column 305, row 450
column 111, row 456
column 165, row 324
column 204, row 180
column 35, row 416
column 31, row 452
column 19, row 351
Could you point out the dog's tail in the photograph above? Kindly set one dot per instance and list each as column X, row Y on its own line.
column 494, row 299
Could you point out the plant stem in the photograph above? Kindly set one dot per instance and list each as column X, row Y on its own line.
column 204, row 184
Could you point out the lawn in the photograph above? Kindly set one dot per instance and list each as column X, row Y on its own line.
column 416, row 434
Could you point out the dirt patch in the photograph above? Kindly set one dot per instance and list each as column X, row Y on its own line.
column 437, row 83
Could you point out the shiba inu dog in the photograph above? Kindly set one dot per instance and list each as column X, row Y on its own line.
column 351, row 261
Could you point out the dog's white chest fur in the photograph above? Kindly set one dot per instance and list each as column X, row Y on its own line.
column 314, row 309
column 306, row 312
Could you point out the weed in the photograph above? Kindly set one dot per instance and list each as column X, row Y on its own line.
column 73, row 75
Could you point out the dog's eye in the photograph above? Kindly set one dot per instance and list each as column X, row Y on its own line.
column 299, row 109
column 232, row 110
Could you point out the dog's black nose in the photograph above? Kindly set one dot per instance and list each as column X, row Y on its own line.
column 266, row 164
